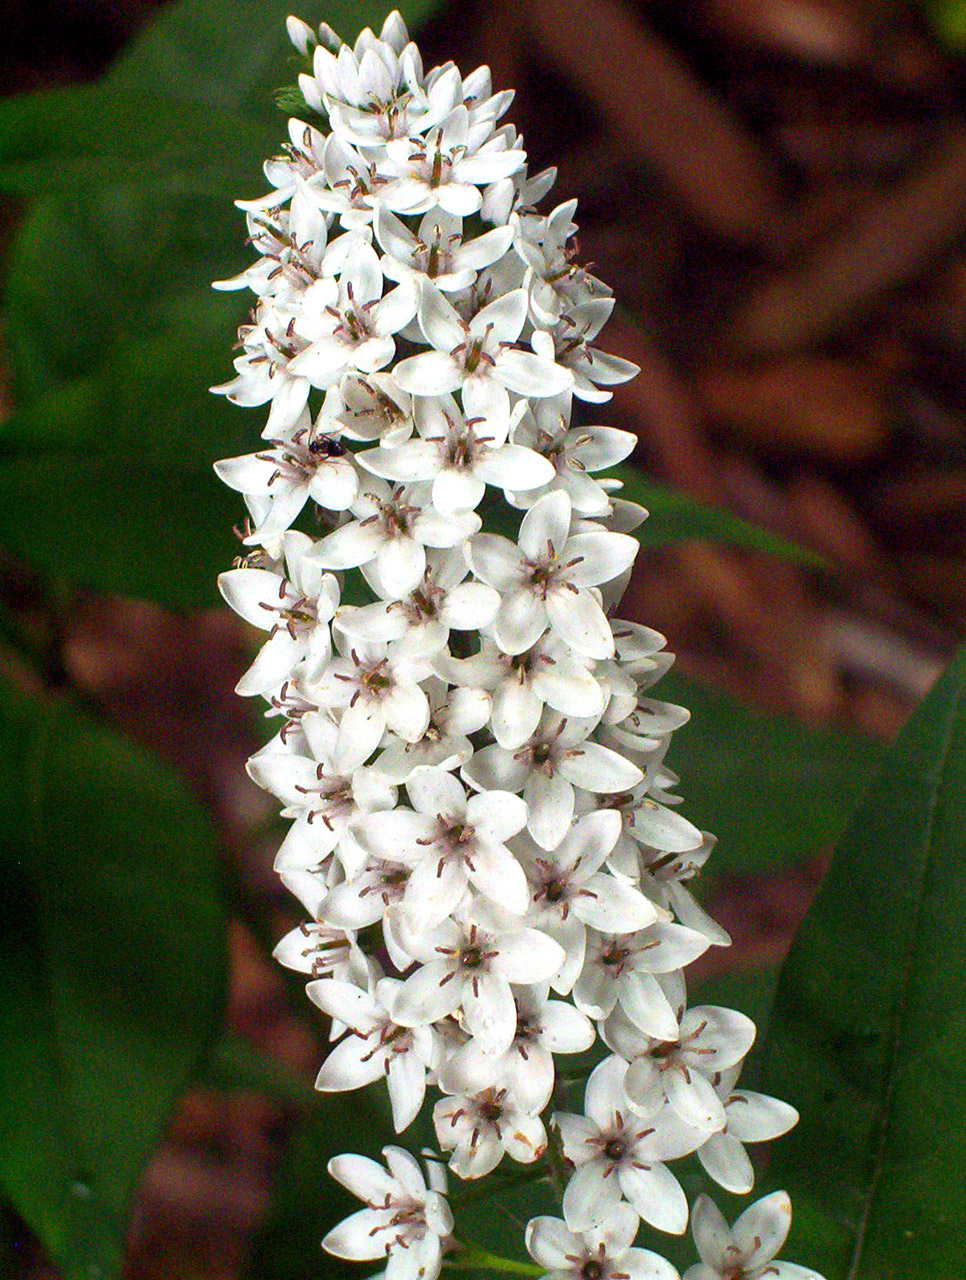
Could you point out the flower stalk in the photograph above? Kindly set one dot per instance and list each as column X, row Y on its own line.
column 469, row 751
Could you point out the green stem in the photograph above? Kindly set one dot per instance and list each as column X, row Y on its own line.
column 473, row 1257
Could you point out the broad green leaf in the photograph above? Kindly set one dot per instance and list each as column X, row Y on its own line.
column 89, row 271
column 95, row 137
column 112, row 946
column 113, row 333
column 107, row 480
column 236, row 53
column 868, row 1034
column 773, row 790
column 674, row 516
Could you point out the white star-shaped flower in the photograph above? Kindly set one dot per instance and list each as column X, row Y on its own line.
column 404, row 1223
column 294, row 607
column 450, row 841
column 600, row 1253
column 747, row 1250
column 479, row 358
column 547, row 579
column 617, row 1154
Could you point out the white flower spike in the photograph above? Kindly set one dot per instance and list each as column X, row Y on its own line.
column 483, row 833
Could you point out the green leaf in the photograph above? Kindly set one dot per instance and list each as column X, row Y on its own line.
column 307, row 1201
column 674, row 516
column 236, row 52
column 96, row 136
column 89, row 271
column 773, row 790
column 868, row 1035
column 107, row 480
column 113, row 333
column 112, row 944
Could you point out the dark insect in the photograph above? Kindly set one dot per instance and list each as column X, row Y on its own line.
column 326, row 447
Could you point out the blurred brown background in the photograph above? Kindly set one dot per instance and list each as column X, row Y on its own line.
column 776, row 191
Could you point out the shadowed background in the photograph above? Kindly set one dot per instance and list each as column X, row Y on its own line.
column 776, row 192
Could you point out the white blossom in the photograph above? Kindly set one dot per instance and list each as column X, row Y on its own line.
column 615, row 1154
column 605, row 1252
column 450, row 841
column 404, row 1222
column 469, row 964
column 294, row 606
column 747, row 1250
column 546, row 579
column 479, row 1128
column 375, row 1046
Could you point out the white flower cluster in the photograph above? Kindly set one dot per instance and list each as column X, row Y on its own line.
column 483, row 830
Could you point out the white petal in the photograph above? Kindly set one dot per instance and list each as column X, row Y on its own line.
column 551, row 804
column 407, row 712
column 360, row 732
column 525, row 1139
column 602, row 556
column 613, row 907
column 503, row 319
column 499, row 877
column 657, row 1196
column 725, row 1159
column 527, row 956
column 550, row 1243
column 564, row 1029
column 435, row 889
column 516, row 713
column 590, row 1198
column 434, row 791
column 490, row 1012
column 495, row 560
column 431, row 373
column 529, row 375
column 597, row 768
column 547, row 523
column 763, row 1228
column 712, row 1235
column 755, row 1117
column 695, row 1100
column 646, row 1005
column 496, row 815
column 568, row 687
column 424, row 997
column 580, row 621
column 365, row 1178
column 401, row 563
column 406, row 1079
column 360, row 1236
column 350, row 1065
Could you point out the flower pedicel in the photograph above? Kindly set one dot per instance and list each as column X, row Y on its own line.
column 469, row 752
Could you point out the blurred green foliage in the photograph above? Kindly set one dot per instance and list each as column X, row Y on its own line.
column 113, row 930
column 113, row 959
column 869, row 1023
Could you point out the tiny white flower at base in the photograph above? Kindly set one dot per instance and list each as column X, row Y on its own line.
column 605, row 1252
column 404, row 1222
column 747, row 1250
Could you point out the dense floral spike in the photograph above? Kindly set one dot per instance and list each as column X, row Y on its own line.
column 469, row 752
